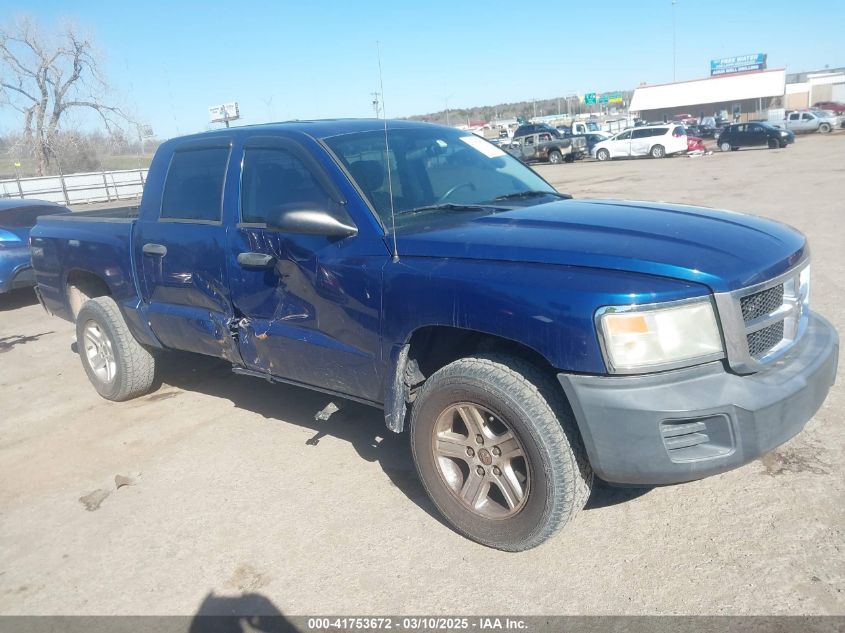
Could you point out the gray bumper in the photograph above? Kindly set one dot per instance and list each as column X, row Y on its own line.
column 687, row 424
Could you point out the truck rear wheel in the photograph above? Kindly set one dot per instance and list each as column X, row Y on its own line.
column 555, row 157
column 117, row 365
column 824, row 128
column 725, row 147
column 498, row 451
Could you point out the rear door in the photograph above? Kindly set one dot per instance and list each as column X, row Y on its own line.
column 641, row 140
column 529, row 148
column 309, row 304
column 184, row 281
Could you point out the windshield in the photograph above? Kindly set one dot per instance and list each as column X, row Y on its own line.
column 435, row 173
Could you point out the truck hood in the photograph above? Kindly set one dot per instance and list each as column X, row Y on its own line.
column 720, row 249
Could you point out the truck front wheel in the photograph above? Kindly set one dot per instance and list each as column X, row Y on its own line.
column 498, row 451
column 117, row 365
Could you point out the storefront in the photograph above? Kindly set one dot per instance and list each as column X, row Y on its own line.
column 738, row 96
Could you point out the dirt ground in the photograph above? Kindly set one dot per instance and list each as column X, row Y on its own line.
column 237, row 497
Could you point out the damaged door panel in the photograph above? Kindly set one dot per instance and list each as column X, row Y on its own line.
column 313, row 315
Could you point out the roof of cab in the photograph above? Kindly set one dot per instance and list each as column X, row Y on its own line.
column 321, row 128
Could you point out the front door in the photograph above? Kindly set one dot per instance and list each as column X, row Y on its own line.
column 757, row 135
column 309, row 304
column 621, row 144
column 181, row 254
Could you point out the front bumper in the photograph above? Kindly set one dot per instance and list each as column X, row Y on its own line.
column 691, row 423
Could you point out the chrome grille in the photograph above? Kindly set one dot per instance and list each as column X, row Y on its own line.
column 761, row 322
column 761, row 303
column 762, row 341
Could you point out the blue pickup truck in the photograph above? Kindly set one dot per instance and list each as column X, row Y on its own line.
column 524, row 339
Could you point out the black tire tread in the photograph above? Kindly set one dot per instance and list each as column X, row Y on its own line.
column 136, row 365
column 547, row 407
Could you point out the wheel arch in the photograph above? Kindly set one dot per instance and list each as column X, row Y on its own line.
column 428, row 348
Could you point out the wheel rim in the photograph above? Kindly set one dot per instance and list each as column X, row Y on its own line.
column 725, row 147
column 481, row 461
column 657, row 152
column 98, row 352
column 603, row 154
column 554, row 158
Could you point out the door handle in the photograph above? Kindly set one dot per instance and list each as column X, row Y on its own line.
column 157, row 250
column 256, row 260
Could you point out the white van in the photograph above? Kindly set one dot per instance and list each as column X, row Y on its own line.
column 656, row 141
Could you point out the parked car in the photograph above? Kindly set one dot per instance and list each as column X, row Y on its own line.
column 755, row 134
column 836, row 107
column 543, row 147
column 536, row 128
column 523, row 339
column 700, row 130
column 695, row 144
column 809, row 121
column 17, row 217
column 684, row 118
column 593, row 138
column 656, row 141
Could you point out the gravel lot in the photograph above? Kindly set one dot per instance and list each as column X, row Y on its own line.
column 238, row 497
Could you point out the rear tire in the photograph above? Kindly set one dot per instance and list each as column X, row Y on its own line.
column 555, row 157
column 725, row 147
column 603, row 154
column 117, row 365
column 658, row 151
column 824, row 128
column 512, row 471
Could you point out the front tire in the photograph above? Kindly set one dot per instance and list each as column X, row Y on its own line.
column 603, row 154
column 658, row 151
column 117, row 365
column 774, row 143
column 498, row 452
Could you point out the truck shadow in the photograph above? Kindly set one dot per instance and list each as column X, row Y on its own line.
column 360, row 425
column 16, row 299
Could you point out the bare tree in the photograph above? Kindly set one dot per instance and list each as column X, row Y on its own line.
column 45, row 77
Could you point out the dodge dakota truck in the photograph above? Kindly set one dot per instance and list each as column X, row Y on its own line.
column 525, row 340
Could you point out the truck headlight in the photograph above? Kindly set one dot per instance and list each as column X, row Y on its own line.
column 637, row 339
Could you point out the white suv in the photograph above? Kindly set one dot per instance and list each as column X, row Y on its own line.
column 656, row 141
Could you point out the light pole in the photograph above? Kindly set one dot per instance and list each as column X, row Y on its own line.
column 446, row 100
column 674, row 2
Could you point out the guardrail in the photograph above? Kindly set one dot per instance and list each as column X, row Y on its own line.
column 98, row 186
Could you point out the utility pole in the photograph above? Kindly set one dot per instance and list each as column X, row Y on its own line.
column 446, row 100
column 674, row 2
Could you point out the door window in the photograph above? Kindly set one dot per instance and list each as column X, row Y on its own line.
column 274, row 180
column 193, row 188
column 624, row 136
column 806, row 117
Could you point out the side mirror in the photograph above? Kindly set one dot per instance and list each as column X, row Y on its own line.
column 310, row 222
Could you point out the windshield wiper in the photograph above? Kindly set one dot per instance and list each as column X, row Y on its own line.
column 533, row 194
column 451, row 206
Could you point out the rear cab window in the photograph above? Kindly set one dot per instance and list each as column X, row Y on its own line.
column 193, row 187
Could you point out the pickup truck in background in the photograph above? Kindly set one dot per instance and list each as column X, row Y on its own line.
column 808, row 121
column 526, row 341
column 545, row 148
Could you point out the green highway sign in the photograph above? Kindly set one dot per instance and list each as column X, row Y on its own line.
column 590, row 98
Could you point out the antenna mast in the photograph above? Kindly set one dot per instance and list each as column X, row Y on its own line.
column 387, row 156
